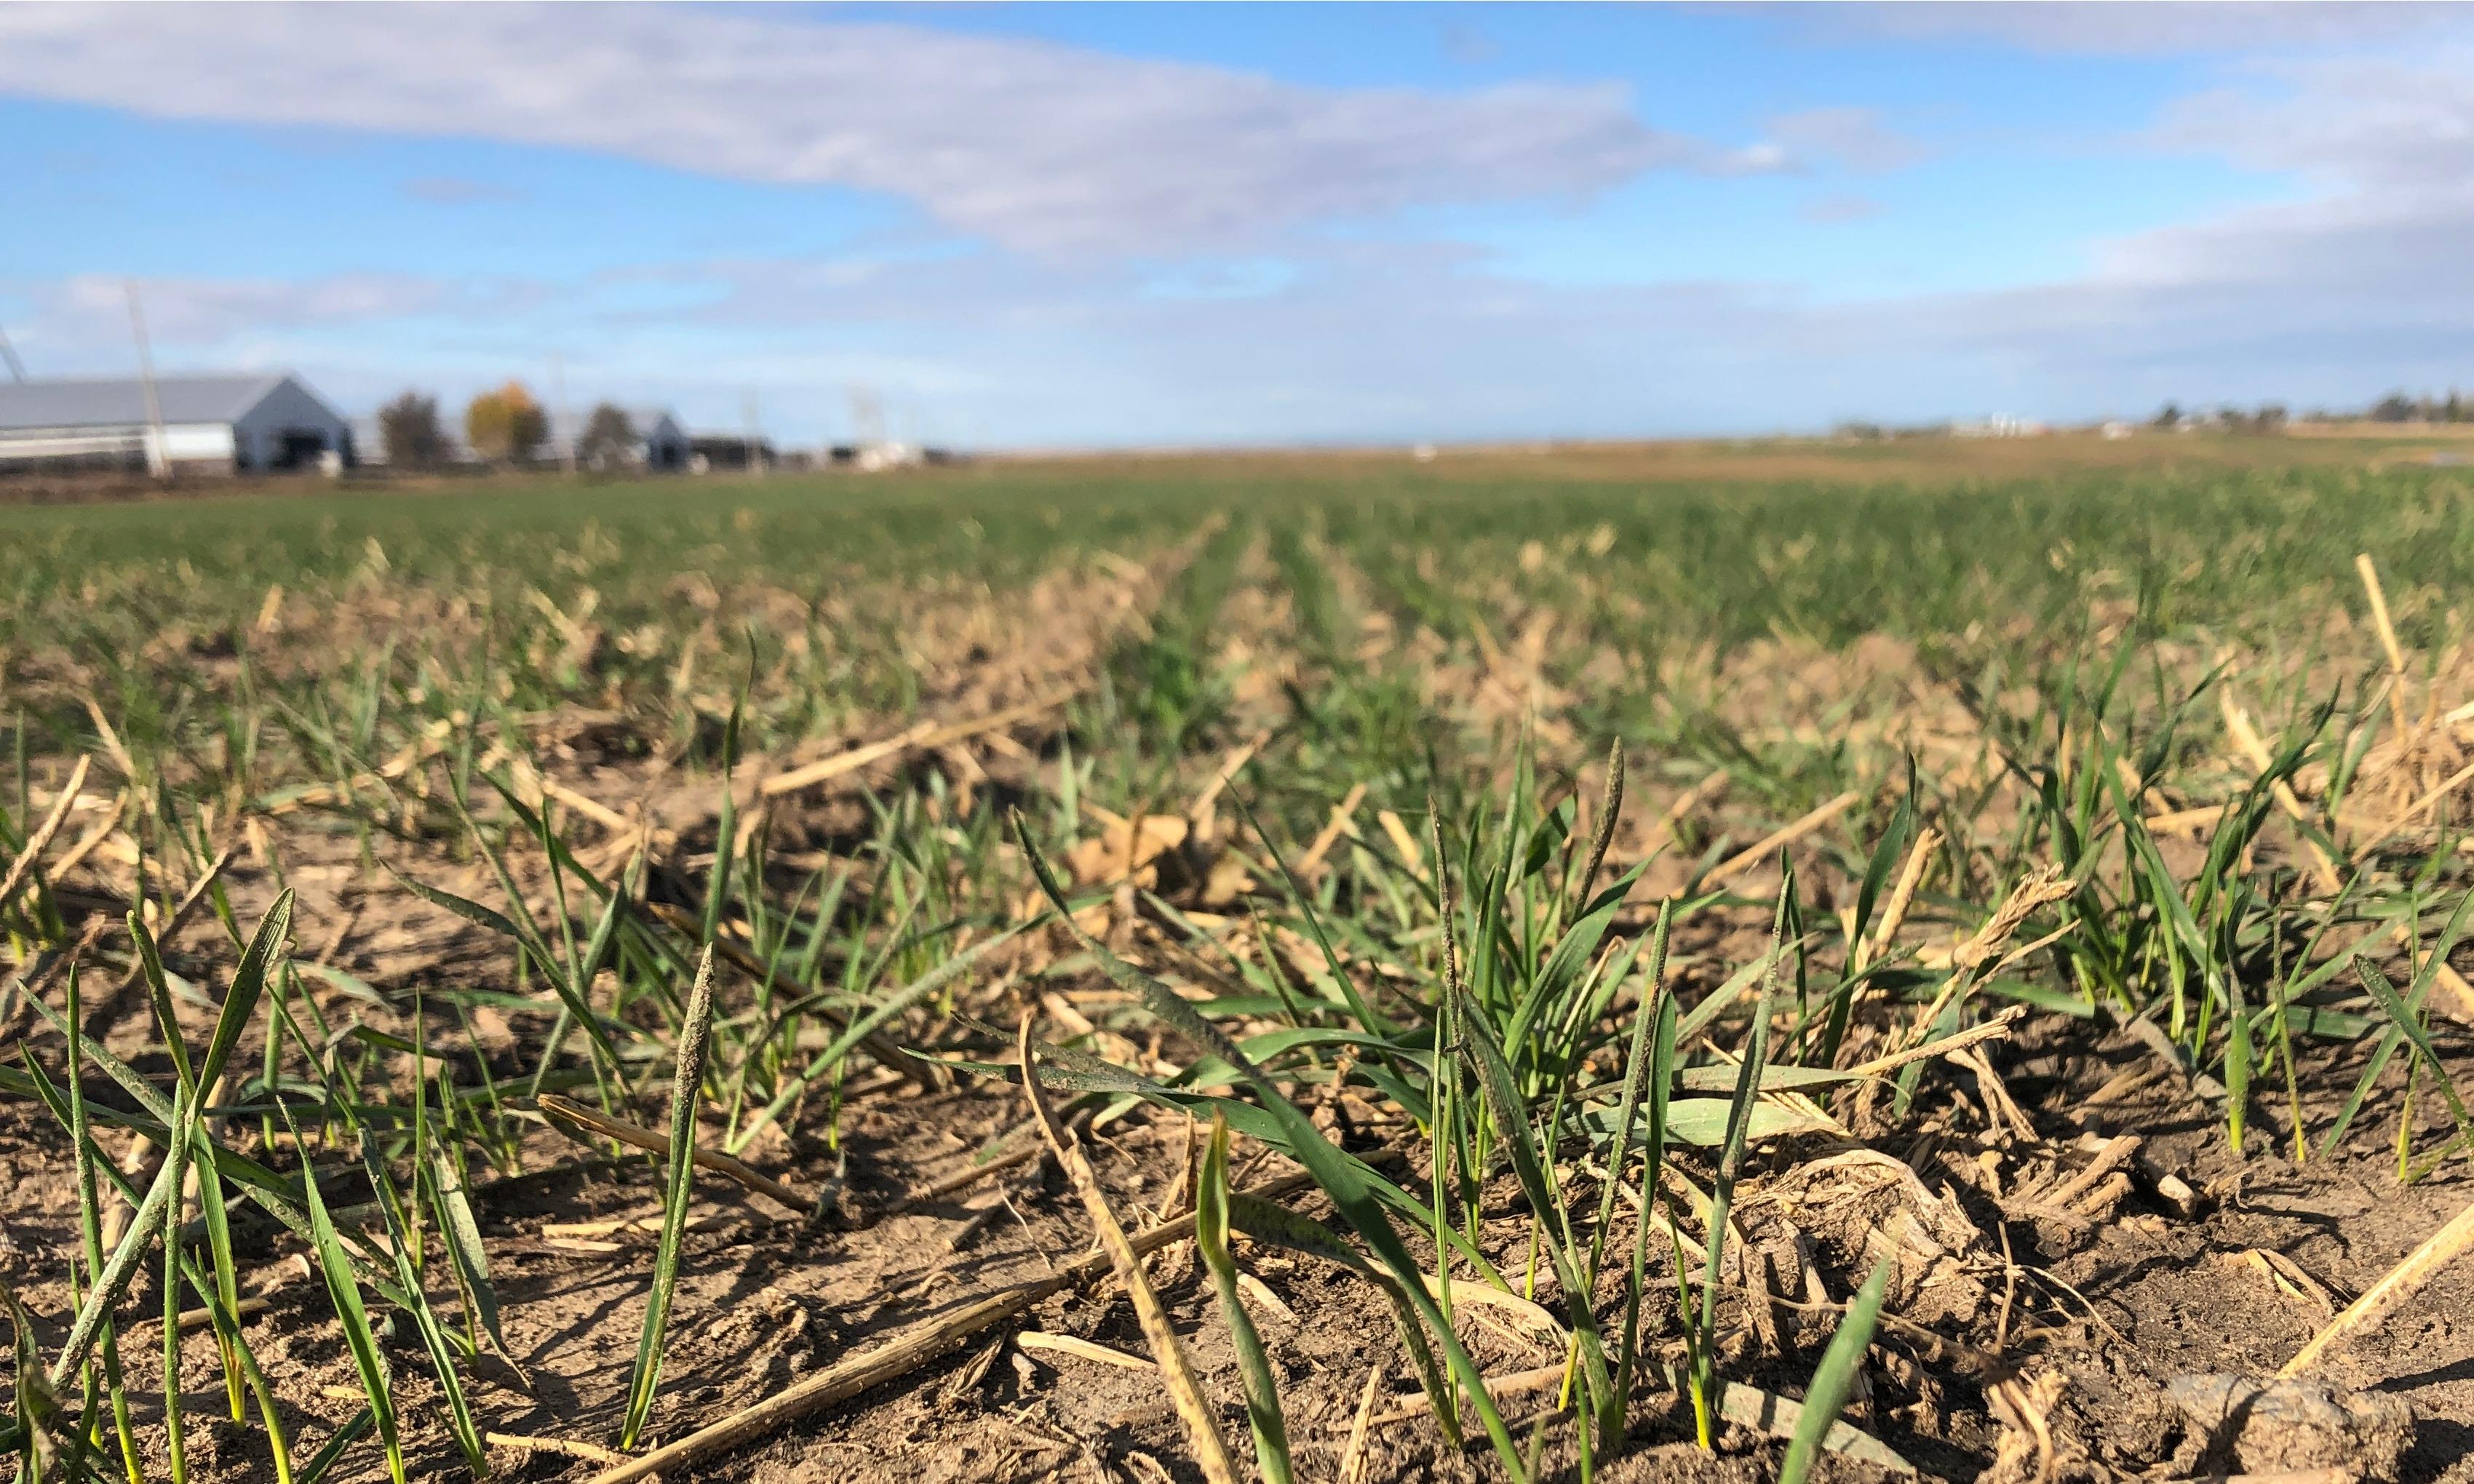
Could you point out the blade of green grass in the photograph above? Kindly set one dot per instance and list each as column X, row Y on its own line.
column 1331, row 1170
column 1834, row 1380
column 90, row 1235
column 163, row 1202
column 678, row 1184
column 1731, row 1165
column 1211, row 1240
column 434, row 1335
column 336, row 1268
column 470, row 1260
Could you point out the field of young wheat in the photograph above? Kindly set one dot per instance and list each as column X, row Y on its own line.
column 1809, row 964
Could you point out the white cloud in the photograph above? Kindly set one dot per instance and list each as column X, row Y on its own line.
column 1378, row 339
column 2147, row 28
column 90, row 310
column 1212, row 322
column 2387, row 147
column 1852, row 139
column 1396, row 340
column 2373, row 122
column 1030, row 144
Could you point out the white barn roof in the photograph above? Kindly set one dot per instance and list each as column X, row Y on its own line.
column 121, row 402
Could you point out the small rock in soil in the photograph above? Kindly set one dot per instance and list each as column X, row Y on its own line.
column 2250, row 1425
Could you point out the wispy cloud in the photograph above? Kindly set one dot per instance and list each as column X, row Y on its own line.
column 1145, row 267
column 1851, row 138
column 2152, row 28
column 1030, row 144
column 2374, row 122
column 456, row 191
column 90, row 310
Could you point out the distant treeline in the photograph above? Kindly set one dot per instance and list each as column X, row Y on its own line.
column 2270, row 417
column 2398, row 407
column 2174, row 417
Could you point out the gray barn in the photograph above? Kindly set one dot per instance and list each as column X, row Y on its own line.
column 268, row 420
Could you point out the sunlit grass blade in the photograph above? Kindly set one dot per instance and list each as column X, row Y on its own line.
column 91, row 1236
column 1662, row 1071
column 176, row 1164
column 444, row 1184
column 1211, row 1240
column 276, row 1195
column 865, row 1026
column 186, row 1134
column 434, row 1335
column 1834, row 1380
column 345, row 1294
column 36, row 1408
column 1518, row 1136
column 677, row 1187
column 322, row 1462
column 1731, row 1165
column 1331, row 1170
column 222, row 1318
column 2409, row 1026
column 1640, row 1066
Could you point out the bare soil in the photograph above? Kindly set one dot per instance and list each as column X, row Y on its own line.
column 2105, row 1316
column 2055, row 1319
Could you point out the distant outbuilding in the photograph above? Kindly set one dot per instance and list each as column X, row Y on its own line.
column 268, row 420
column 654, row 441
column 709, row 452
column 661, row 439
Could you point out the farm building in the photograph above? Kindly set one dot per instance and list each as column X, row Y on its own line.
column 711, row 451
column 264, row 422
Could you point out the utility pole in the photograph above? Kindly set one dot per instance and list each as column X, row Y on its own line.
column 9, row 353
column 158, row 456
column 868, row 418
column 567, row 435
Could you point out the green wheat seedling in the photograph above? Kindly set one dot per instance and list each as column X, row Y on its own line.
column 1211, row 1240
column 2087, row 623
column 1701, row 1322
column 1649, row 1068
column 1347, row 1183
column 91, row 1237
column 335, row 1267
column 1834, row 1380
column 678, row 1187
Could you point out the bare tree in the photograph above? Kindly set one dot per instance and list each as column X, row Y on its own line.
column 609, row 439
column 413, row 436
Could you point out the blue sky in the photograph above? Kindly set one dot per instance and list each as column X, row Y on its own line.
column 1073, row 226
